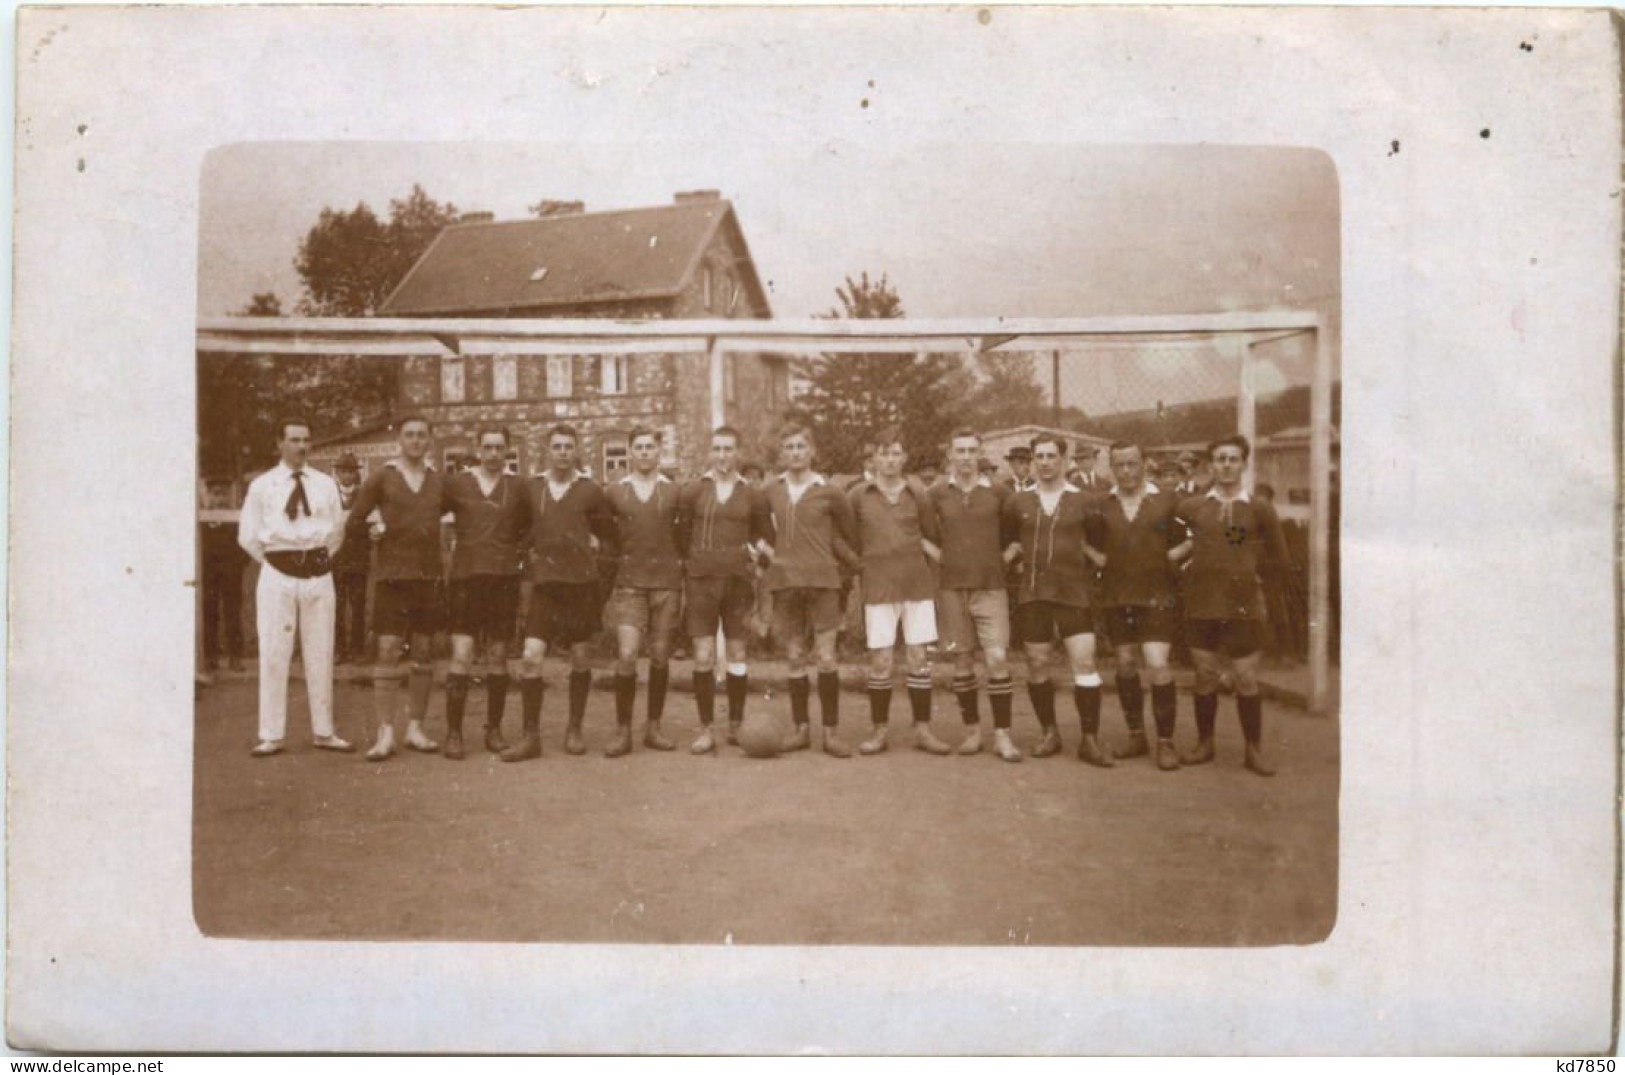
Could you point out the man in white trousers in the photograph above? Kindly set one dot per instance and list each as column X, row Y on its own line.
column 292, row 524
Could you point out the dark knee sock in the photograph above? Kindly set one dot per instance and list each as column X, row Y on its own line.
column 1207, row 713
column 456, row 700
column 580, row 687
column 829, row 697
column 1132, row 695
column 919, row 697
column 530, row 704
column 659, row 676
column 705, row 695
column 496, row 699
column 1251, row 709
column 1165, row 708
column 738, row 688
column 965, row 695
column 1042, row 695
column 626, row 691
column 879, row 701
column 799, row 690
column 999, row 693
column 1087, row 699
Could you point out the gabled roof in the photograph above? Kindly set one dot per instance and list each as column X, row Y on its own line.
column 614, row 256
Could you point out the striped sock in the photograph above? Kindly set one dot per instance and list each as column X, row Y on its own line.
column 919, row 696
column 965, row 692
column 879, row 700
column 999, row 692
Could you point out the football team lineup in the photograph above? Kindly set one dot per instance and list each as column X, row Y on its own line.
column 1034, row 569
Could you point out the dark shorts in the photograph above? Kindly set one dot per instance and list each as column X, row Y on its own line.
column 485, row 605
column 564, row 613
column 652, row 613
column 797, row 611
column 1127, row 625
column 402, row 607
column 1233, row 638
column 1042, row 622
column 725, row 599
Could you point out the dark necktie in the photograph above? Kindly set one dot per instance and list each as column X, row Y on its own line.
column 297, row 498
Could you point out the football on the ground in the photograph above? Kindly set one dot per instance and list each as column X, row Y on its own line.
column 761, row 735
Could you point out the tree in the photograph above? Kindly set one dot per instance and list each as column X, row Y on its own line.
column 349, row 262
column 263, row 304
column 1009, row 393
column 847, row 398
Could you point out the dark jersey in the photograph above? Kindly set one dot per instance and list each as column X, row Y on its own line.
column 1054, row 567
column 487, row 527
column 410, row 546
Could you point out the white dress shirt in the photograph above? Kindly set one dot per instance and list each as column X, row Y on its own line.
column 265, row 527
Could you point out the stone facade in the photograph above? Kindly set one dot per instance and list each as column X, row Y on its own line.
column 670, row 392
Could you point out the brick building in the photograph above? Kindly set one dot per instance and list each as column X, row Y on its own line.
column 686, row 260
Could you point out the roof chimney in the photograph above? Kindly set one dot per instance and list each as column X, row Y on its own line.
column 688, row 197
column 555, row 207
column 478, row 217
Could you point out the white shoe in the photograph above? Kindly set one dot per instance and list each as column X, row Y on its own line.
column 419, row 741
column 385, row 746
column 266, row 747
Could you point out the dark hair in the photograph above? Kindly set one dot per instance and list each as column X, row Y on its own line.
column 407, row 420
column 964, row 431
column 794, row 430
column 1086, row 446
column 889, row 436
column 1264, row 489
column 1235, row 440
column 727, row 431
column 287, row 420
column 563, row 429
column 501, row 431
column 752, row 468
column 644, row 431
column 1048, row 438
column 1125, row 446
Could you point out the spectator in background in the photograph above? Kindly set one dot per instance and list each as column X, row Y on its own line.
column 1083, row 474
column 1273, row 573
column 1194, row 479
column 1020, row 460
column 350, row 567
column 223, row 563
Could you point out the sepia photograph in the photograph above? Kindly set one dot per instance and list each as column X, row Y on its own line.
column 974, row 531
column 621, row 563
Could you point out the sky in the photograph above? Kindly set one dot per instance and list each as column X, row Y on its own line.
column 961, row 230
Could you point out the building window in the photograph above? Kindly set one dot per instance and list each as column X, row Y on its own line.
column 615, row 374
column 451, row 380
column 510, row 464
column 504, row 377
column 707, row 285
column 558, row 376
column 617, row 460
column 455, row 458
column 730, row 376
column 779, row 386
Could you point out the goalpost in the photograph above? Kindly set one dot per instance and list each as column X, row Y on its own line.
column 1237, row 335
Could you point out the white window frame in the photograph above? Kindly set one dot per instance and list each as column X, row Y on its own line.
column 614, row 374
column 616, row 447
column 560, row 371
column 504, row 377
column 453, row 379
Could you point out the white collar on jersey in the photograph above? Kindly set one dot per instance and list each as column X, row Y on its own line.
column 1213, row 494
column 659, row 478
column 1148, row 487
column 817, row 478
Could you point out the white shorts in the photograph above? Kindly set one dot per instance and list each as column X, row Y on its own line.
column 919, row 620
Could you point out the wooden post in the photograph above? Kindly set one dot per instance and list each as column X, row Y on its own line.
column 1320, row 505
column 1246, row 406
column 1055, row 380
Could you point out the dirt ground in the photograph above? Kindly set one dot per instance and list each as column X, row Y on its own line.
column 903, row 848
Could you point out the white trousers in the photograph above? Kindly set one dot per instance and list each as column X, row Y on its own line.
column 286, row 605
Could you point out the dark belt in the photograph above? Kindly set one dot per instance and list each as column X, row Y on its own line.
column 308, row 564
